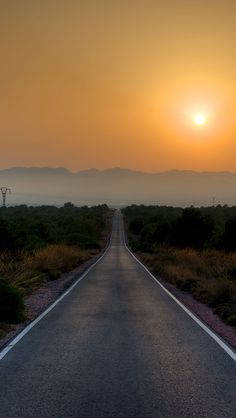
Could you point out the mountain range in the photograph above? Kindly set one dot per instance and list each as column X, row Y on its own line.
column 117, row 187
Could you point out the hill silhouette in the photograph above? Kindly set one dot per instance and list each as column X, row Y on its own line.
column 118, row 186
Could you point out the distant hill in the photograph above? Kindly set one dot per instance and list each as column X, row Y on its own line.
column 117, row 186
column 35, row 171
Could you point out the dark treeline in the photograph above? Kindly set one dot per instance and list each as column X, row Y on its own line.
column 31, row 228
column 199, row 228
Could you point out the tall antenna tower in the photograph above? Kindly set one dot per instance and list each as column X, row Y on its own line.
column 4, row 191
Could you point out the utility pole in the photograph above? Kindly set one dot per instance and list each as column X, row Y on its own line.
column 214, row 200
column 4, row 191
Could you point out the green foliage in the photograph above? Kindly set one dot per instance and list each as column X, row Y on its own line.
column 32, row 228
column 11, row 303
column 200, row 228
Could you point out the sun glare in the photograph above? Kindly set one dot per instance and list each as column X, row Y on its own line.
column 199, row 119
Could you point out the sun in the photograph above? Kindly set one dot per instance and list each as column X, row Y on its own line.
column 199, row 119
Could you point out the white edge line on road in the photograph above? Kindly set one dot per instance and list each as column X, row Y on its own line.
column 217, row 339
column 44, row 313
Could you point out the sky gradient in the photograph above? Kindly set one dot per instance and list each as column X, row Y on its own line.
column 103, row 83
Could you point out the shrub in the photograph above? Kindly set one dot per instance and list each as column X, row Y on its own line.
column 11, row 303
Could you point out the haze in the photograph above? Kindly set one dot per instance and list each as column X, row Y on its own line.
column 118, row 187
column 102, row 84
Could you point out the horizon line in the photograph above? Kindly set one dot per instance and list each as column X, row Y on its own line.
column 113, row 169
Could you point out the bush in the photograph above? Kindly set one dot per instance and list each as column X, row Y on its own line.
column 11, row 303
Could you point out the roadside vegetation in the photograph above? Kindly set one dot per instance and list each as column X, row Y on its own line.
column 194, row 249
column 39, row 244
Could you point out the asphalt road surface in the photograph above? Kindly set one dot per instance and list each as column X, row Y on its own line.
column 117, row 346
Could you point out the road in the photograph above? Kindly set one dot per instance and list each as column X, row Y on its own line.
column 117, row 346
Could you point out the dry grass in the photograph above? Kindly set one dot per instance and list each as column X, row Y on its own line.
column 57, row 259
column 29, row 271
column 209, row 275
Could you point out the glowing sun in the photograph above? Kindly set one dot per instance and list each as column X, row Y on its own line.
column 199, row 119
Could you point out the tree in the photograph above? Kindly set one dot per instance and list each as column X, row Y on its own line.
column 192, row 229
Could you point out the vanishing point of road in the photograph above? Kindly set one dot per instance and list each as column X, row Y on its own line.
column 117, row 346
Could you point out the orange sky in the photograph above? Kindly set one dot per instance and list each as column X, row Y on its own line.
column 99, row 83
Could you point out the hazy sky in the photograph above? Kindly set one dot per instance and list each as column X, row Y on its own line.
column 98, row 83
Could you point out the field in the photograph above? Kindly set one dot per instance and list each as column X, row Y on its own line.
column 193, row 249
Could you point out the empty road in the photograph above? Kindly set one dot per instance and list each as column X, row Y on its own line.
column 117, row 346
